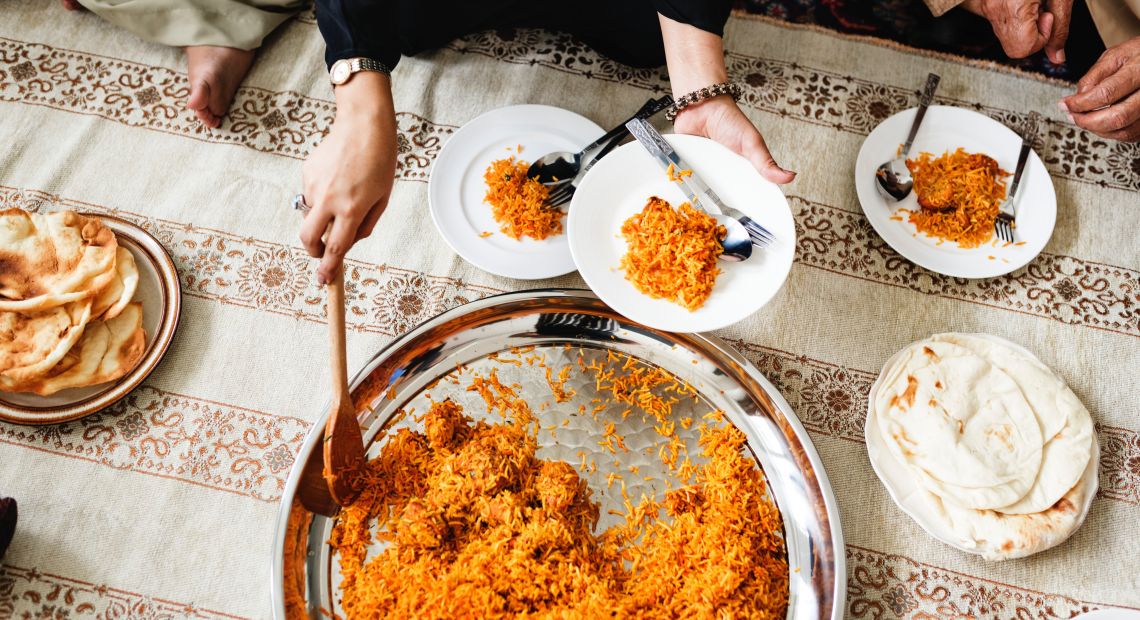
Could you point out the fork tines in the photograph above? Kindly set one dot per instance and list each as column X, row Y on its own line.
column 1003, row 226
column 759, row 235
column 560, row 196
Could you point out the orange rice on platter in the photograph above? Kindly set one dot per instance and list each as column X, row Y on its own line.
column 958, row 195
column 671, row 253
column 518, row 203
column 477, row 526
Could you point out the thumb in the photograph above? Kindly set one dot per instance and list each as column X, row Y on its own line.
column 1023, row 37
column 763, row 161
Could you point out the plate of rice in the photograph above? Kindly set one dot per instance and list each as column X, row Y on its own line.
column 652, row 257
column 484, row 206
column 962, row 163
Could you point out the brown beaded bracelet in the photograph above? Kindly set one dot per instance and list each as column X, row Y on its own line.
column 699, row 95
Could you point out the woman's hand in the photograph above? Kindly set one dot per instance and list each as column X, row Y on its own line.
column 1107, row 101
column 722, row 120
column 696, row 60
column 348, row 178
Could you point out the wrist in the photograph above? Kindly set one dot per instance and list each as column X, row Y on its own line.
column 366, row 94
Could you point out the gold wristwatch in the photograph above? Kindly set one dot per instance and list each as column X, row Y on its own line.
column 343, row 69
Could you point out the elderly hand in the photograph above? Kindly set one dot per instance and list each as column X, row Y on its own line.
column 719, row 118
column 348, row 178
column 1026, row 27
column 1107, row 101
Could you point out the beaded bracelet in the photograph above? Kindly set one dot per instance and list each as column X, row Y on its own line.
column 724, row 88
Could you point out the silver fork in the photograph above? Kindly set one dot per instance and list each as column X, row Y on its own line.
column 564, row 192
column 1006, row 219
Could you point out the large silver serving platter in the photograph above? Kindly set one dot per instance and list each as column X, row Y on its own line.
column 305, row 572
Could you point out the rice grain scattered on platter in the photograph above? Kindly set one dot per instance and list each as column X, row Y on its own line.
column 477, row 525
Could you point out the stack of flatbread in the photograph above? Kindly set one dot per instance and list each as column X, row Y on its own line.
column 999, row 447
column 66, row 315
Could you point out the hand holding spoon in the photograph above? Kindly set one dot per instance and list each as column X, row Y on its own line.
column 893, row 178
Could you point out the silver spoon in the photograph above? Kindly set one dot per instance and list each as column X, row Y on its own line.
column 893, row 177
column 737, row 243
column 554, row 169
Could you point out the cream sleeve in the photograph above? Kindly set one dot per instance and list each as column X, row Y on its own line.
column 938, row 7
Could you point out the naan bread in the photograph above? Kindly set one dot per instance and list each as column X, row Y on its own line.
column 116, row 295
column 32, row 344
column 961, row 425
column 999, row 536
column 1065, row 423
column 47, row 260
column 107, row 351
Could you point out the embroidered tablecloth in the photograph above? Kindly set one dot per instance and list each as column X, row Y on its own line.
column 165, row 505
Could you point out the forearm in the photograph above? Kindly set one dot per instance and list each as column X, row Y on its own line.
column 695, row 57
column 367, row 96
column 354, row 28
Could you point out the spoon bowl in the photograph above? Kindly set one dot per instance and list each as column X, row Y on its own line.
column 737, row 244
column 893, row 179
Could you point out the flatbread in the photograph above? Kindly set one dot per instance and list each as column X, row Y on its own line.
column 32, row 344
column 107, row 351
column 115, row 296
column 961, row 425
column 999, row 536
column 1066, row 424
column 47, row 260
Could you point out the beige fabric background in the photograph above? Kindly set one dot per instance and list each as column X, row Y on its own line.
column 164, row 506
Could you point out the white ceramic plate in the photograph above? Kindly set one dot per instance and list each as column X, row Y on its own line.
column 456, row 189
column 1111, row 614
column 946, row 128
column 619, row 186
column 909, row 495
column 161, row 295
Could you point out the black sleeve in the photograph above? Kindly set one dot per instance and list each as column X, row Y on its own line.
column 354, row 28
column 708, row 15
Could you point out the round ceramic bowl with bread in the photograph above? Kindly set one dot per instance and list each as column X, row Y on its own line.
column 88, row 306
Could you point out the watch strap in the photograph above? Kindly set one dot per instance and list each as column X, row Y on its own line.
column 368, row 64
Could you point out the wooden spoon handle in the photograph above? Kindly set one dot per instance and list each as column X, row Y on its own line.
column 337, row 354
column 344, row 444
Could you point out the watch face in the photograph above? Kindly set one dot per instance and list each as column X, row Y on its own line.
column 340, row 71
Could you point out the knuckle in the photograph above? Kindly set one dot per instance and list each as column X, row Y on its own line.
column 1116, row 119
column 335, row 248
column 1104, row 93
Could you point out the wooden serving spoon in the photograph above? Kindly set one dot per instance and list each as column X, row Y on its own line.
column 335, row 479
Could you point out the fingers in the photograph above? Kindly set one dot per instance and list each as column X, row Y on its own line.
column 370, row 219
column 1062, row 11
column 313, row 230
column 1023, row 29
column 1107, row 91
column 1128, row 134
column 1115, row 118
column 339, row 240
column 1108, row 63
column 756, row 151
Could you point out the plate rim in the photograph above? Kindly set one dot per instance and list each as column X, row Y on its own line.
column 433, row 205
column 171, row 292
column 876, row 224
